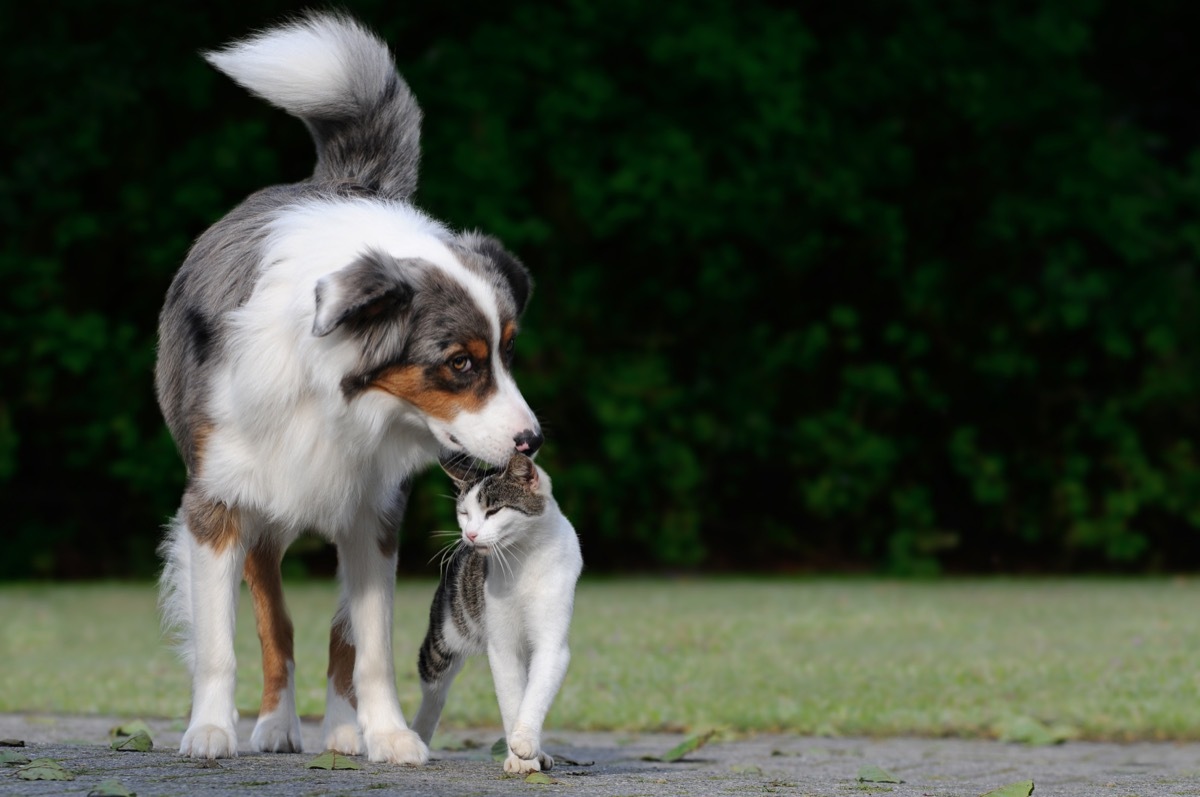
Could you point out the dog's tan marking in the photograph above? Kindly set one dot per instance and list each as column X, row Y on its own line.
column 411, row 383
column 212, row 523
column 341, row 663
column 507, row 333
column 199, row 445
column 275, row 632
column 478, row 349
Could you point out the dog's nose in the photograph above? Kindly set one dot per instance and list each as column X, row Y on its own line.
column 529, row 441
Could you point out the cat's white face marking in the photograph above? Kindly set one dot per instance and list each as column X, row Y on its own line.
column 483, row 529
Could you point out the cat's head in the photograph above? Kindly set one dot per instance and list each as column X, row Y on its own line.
column 496, row 507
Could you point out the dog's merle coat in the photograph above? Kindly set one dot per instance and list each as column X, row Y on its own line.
column 321, row 344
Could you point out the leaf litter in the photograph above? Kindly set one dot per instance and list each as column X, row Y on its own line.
column 870, row 773
column 44, row 769
column 689, row 745
column 331, row 760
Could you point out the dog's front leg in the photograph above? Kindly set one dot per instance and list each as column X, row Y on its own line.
column 367, row 565
column 216, row 559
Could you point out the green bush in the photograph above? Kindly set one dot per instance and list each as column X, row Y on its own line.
column 905, row 286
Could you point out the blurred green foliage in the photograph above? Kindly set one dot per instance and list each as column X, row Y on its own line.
column 907, row 286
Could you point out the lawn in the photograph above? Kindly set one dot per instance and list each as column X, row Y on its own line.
column 1099, row 659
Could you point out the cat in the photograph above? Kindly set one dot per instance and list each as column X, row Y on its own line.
column 508, row 590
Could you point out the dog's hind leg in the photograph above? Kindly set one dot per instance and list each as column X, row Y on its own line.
column 278, row 727
column 367, row 567
column 214, row 560
column 340, row 727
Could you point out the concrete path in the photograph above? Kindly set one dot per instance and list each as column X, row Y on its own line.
column 611, row 764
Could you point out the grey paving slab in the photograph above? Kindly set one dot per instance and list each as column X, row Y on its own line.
column 611, row 764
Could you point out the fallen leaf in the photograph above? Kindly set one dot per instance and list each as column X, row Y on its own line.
column 12, row 742
column 129, row 729
column 688, row 745
column 1022, row 788
column 541, row 778
column 140, row 742
column 500, row 749
column 746, row 769
column 43, row 769
column 111, row 788
column 11, row 758
column 331, row 760
column 873, row 774
column 208, row 763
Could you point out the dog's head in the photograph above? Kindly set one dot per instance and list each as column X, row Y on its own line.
column 438, row 334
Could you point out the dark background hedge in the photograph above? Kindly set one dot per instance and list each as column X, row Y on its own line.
column 903, row 286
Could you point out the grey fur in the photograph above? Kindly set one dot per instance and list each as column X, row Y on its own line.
column 367, row 130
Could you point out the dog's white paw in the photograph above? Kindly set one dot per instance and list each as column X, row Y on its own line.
column 277, row 733
column 400, row 746
column 344, row 739
column 209, row 741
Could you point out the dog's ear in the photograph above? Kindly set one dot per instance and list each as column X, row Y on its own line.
column 366, row 289
column 510, row 270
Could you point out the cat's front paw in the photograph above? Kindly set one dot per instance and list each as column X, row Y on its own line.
column 523, row 743
column 521, row 766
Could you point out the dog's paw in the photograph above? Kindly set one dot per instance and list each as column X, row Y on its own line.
column 277, row 733
column 400, row 746
column 209, row 741
column 344, row 739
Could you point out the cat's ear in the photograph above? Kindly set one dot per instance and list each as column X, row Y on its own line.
column 521, row 468
column 463, row 471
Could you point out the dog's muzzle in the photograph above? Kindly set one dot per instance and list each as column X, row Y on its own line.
column 528, row 442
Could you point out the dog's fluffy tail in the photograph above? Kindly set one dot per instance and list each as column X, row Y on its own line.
column 175, row 588
column 341, row 80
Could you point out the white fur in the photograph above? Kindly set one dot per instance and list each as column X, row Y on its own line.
column 308, row 68
column 530, row 596
column 215, row 577
column 278, row 731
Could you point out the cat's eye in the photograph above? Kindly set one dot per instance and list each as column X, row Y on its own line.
column 460, row 363
column 492, row 511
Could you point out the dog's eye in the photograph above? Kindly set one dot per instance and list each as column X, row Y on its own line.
column 460, row 363
column 508, row 347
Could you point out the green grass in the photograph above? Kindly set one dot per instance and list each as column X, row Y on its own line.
column 1111, row 659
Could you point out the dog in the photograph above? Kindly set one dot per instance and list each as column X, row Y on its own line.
column 320, row 345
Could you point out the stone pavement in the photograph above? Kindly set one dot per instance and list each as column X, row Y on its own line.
column 611, row 764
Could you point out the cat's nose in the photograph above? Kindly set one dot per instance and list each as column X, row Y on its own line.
column 528, row 442
column 471, row 535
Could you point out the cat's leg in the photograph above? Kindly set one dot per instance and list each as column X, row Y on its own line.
column 548, row 660
column 367, row 567
column 438, row 665
column 278, row 726
column 506, row 657
column 212, row 565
